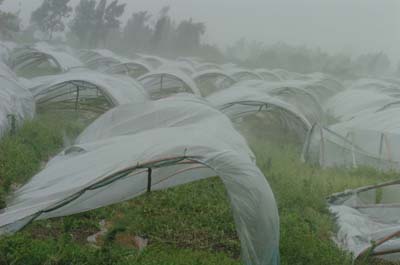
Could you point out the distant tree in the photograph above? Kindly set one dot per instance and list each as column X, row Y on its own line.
column 163, row 33
column 373, row 64
column 137, row 32
column 9, row 24
column 340, row 65
column 92, row 24
column 112, row 22
column 107, row 20
column 49, row 17
column 98, row 30
column 188, row 36
column 83, row 23
column 300, row 61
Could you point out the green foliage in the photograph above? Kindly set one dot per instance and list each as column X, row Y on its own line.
column 9, row 24
column 188, row 36
column 22, row 249
column 138, row 31
column 49, row 17
column 302, row 59
column 83, row 21
column 22, row 154
column 93, row 23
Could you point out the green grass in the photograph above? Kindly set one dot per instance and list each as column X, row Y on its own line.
column 23, row 154
column 300, row 190
column 190, row 224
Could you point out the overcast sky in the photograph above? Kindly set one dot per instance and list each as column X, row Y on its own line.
column 334, row 25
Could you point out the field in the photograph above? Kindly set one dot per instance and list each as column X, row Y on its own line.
column 190, row 224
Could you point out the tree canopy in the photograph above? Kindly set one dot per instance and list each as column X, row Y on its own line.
column 93, row 23
column 50, row 15
column 9, row 23
column 84, row 21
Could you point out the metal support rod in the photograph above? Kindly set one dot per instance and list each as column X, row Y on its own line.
column 77, row 98
column 13, row 123
column 149, row 172
column 380, row 242
column 322, row 148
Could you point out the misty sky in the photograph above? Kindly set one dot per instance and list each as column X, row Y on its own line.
column 351, row 26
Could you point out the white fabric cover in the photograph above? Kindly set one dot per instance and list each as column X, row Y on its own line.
column 119, row 89
column 353, row 102
column 23, row 56
column 365, row 215
column 239, row 100
column 112, row 167
column 155, row 77
column 14, row 100
column 62, row 56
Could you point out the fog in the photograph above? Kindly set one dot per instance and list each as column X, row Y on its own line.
column 349, row 26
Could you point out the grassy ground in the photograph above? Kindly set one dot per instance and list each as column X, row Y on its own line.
column 23, row 154
column 190, row 224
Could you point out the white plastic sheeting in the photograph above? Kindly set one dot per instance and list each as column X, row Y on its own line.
column 101, row 63
column 88, row 56
column 373, row 92
column 15, row 102
column 378, row 85
column 297, row 94
column 117, row 89
column 294, row 93
column 5, row 71
column 243, row 74
column 211, row 81
column 66, row 60
column 134, row 149
column 181, row 66
column 378, row 134
column 368, row 220
column 194, row 62
column 238, row 102
column 108, row 62
column 385, row 120
column 350, row 103
column 207, row 66
column 268, row 75
column 367, row 132
column 33, row 56
column 5, row 49
column 109, row 54
column 287, row 75
column 154, row 61
column 133, row 69
column 332, row 85
column 161, row 84
column 354, row 147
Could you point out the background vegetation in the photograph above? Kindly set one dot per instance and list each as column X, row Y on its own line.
column 98, row 24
